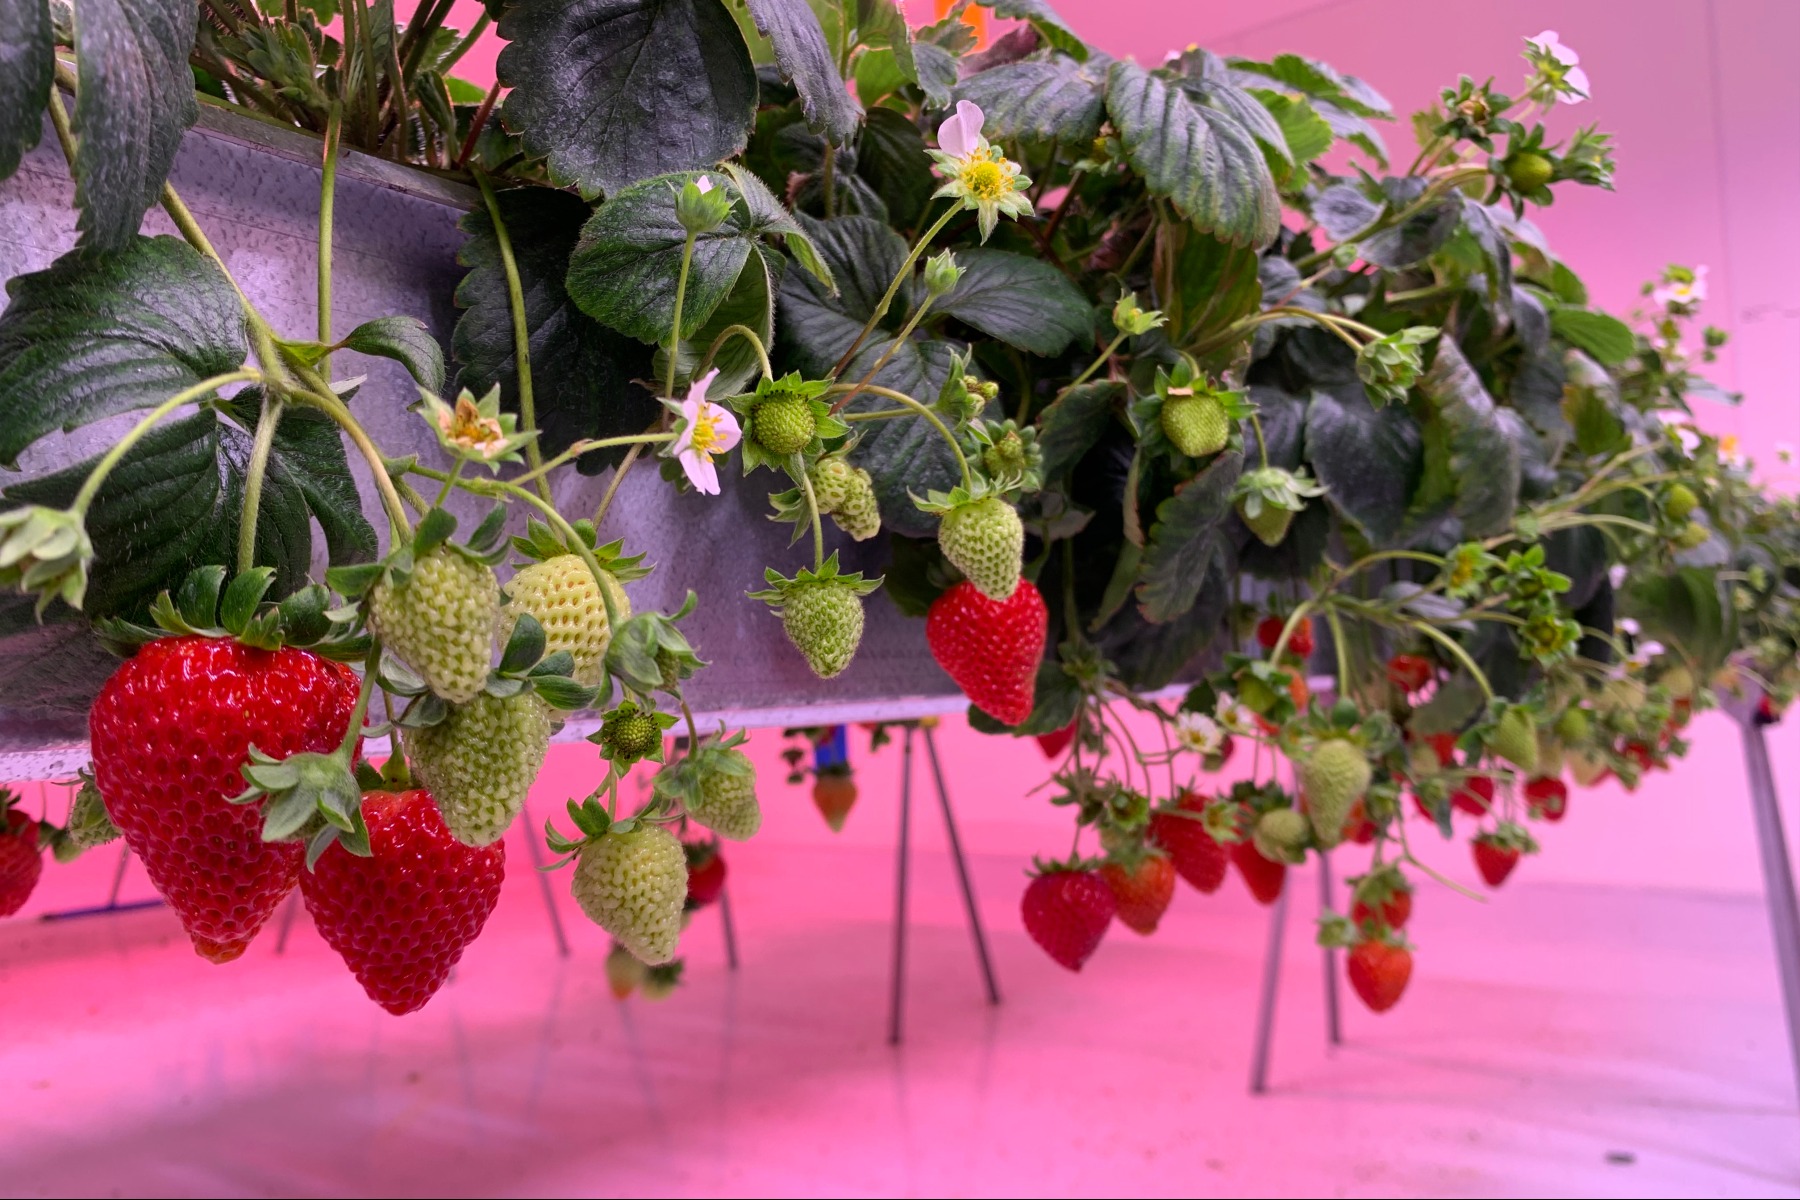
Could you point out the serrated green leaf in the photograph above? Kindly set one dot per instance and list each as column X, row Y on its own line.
column 136, row 100
column 1183, row 540
column 408, row 342
column 99, row 333
column 1607, row 338
column 27, row 66
column 1368, row 459
column 611, row 92
column 1203, row 284
column 937, row 73
column 1038, row 101
column 890, row 157
column 1483, row 460
column 1149, row 656
column 1308, row 134
column 805, row 60
column 1070, row 426
column 1024, row 302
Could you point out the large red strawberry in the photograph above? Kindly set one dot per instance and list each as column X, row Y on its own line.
column 1383, row 897
column 1379, row 971
column 1300, row 642
column 1198, row 857
column 706, row 872
column 169, row 732
column 21, row 857
column 1067, row 910
column 1408, row 673
column 991, row 648
column 1264, row 877
column 1143, row 886
column 1547, row 798
column 1475, row 797
column 403, row 916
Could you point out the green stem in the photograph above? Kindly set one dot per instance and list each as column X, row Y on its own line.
column 725, row 335
column 477, row 123
column 829, row 181
column 1262, row 443
column 1105, row 356
column 580, row 448
column 797, row 468
column 962, row 463
column 461, row 48
column 674, row 346
column 449, row 482
column 612, row 489
column 912, row 323
column 258, row 471
column 334, row 130
column 360, row 713
column 91, row 486
column 339, row 412
column 1455, row 647
column 887, row 297
column 1343, row 654
column 515, row 293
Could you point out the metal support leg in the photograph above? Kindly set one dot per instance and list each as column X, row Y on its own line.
column 1333, row 1032
column 1271, row 988
column 1778, row 873
column 288, row 913
column 897, row 1000
column 731, row 957
column 112, row 904
column 962, row 872
column 543, row 878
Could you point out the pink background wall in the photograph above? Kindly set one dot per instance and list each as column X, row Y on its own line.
column 1703, row 101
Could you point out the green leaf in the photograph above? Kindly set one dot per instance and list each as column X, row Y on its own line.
column 1070, row 427
column 136, row 99
column 610, row 92
column 1368, row 459
column 1183, row 540
column 1202, row 284
column 1208, row 83
column 1316, row 81
column 763, row 215
column 99, row 333
column 806, row 62
column 1682, row 608
column 1051, row 27
column 1607, row 338
column 1038, row 101
column 627, row 266
column 1308, row 135
column 1205, row 162
column 408, row 342
column 890, row 157
column 581, row 372
column 27, row 66
column 1483, row 460
column 1343, row 211
column 1025, row 302
column 937, row 73
column 751, row 302
column 1149, row 656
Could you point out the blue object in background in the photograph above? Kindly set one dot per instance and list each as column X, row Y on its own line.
column 834, row 751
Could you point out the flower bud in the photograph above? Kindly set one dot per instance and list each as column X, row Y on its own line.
column 1130, row 319
column 45, row 551
column 941, row 274
column 701, row 207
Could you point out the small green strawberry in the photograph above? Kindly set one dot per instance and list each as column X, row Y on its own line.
column 631, row 880
column 1514, row 738
column 1573, row 726
column 480, row 760
column 783, row 424
column 1333, row 777
column 716, row 785
column 1270, row 525
column 1679, row 501
column 858, row 514
column 630, row 734
column 1280, row 835
column 1692, row 534
column 821, row 611
column 1268, row 497
column 1529, row 171
column 982, row 537
column 439, row 618
column 561, row 593
column 831, row 479
column 783, row 418
column 1196, row 424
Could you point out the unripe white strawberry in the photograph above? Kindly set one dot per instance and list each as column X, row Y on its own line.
column 480, row 761
column 725, row 802
column 561, row 593
column 824, row 620
column 985, row 540
column 440, row 621
column 633, row 885
column 858, row 514
column 1333, row 777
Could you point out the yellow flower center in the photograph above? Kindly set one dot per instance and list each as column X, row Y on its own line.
column 705, row 433
column 986, row 180
column 467, row 428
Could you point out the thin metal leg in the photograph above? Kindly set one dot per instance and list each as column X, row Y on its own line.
column 962, row 872
column 1271, row 988
column 112, row 904
column 896, row 1001
column 112, row 897
column 731, row 958
column 1333, row 1031
column 1778, row 875
column 543, row 878
column 288, row 914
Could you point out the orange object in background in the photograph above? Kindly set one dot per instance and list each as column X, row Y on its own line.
column 974, row 18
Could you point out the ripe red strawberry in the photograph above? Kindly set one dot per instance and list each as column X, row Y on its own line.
column 1641, row 754
column 1066, row 911
column 1358, row 827
column 1408, row 672
column 706, row 872
column 1300, row 644
column 1379, row 971
column 1383, row 897
column 1547, row 798
column 991, row 648
column 1475, row 796
column 1495, row 859
column 21, row 857
column 1197, row 856
column 1054, row 744
column 1142, row 888
column 834, row 795
column 169, row 731
column 1263, row 876
column 403, row 916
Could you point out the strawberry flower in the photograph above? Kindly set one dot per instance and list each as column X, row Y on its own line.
column 1199, row 733
column 977, row 172
column 1681, row 289
column 1555, row 75
column 705, row 431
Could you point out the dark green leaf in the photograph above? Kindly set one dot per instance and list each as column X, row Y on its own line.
column 937, row 73
column 581, row 371
column 136, row 100
column 1316, row 81
column 1037, row 101
column 914, row 573
column 1070, row 427
column 1483, row 460
column 1025, row 302
column 408, row 342
column 1209, row 83
column 891, row 157
column 27, row 64
column 1203, row 284
column 1607, row 338
column 806, row 62
column 1149, row 656
column 1202, row 160
column 1051, row 27
column 751, row 302
column 614, row 91
column 1368, row 459
column 1184, row 540
column 99, row 333
column 1682, row 608
column 1343, row 211
column 1420, row 235
column 763, row 215
column 525, row 646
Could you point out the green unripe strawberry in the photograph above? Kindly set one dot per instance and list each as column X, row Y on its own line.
column 1515, row 739
column 1280, row 835
column 985, row 540
column 1270, row 524
column 633, row 885
column 1550, row 755
column 480, row 761
column 1197, row 425
column 1679, row 501
column 561, row 593
column 629, row 733
column 440, row 621
column 1573, row 726
column 858, row 514
column 824, row 620
column 1528, row 171
column 784, row 424
column 1692, row 534
column 726, row 803
column 1334, row 777
column 831, row 479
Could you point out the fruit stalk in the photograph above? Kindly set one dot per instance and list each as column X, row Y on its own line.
column 962, row 462
column 887, row 297
column 515, row 294
column 674, row 348
column 334, row 129
column 266, row 424
column 91, row 487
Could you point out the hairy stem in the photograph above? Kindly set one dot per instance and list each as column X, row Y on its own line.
column 725, row 335
column 887, row 297
column 515, row 293
column 267, row 422
column 797, row 468
column 962, row 462
column 334, row 129
column 91, row 486
column 886, row 355
column 674, row 346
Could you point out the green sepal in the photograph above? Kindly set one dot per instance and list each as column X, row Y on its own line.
column 1273, row 487
column 780, row 586
column 472, row 430
column 300, row 789
column 827, row 426
column 422, row 712
column 355, row 580
column 541, row 543
column 940, row 503
column 648, row 653
column 435, row 528
column 524, row 648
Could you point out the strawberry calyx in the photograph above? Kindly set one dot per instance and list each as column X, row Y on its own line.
column 781, row 588
column 632, row 733
column 682, row 782
column 206, row 606
column 541, row 543
column 523, row 665
column 649, row 654
column 1509, row 837
column 1074, row 864
column 593, row 822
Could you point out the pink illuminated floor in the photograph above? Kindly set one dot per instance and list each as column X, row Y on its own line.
column 1547, row 1036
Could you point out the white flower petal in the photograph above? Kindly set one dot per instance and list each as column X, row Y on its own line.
column 700, row 472
column 960, row 134
column 1577, row 79
column 1616, row 574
